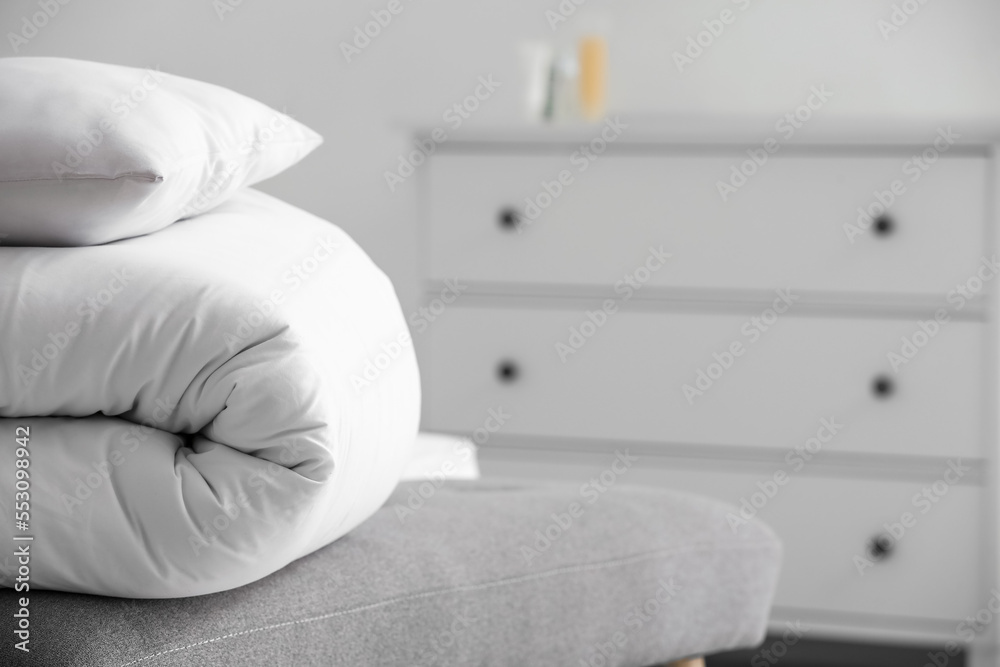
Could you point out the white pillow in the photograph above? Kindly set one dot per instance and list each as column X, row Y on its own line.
column 92, row 153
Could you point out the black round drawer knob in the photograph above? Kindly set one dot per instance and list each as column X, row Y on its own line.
column 507, row 371
column 883, row 386
column 884, row 225
column 509, row 218
column 880, row 547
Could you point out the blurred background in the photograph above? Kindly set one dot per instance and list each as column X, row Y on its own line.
column 509, row 303
column 288, row 55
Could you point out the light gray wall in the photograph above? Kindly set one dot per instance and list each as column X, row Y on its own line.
column 942, row 63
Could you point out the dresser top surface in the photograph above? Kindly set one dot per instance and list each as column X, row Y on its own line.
column 740, row 130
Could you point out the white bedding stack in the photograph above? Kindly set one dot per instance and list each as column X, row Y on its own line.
column 196, row 402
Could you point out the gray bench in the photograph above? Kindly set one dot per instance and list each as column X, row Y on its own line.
column 471, row 573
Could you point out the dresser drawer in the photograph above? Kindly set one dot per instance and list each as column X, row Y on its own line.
column 827, row 525
column 931, row 572
column 784, row 227
column 627, row 381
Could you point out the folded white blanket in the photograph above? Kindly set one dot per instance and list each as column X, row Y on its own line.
column 205, row 404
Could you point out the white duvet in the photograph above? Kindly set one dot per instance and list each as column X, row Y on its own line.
column 204, row 404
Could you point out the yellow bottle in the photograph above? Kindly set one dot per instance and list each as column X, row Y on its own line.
column 593, row 56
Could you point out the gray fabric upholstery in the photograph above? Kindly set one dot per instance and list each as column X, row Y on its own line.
column 642, row 576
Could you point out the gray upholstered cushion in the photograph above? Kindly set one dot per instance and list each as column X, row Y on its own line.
column 641, row 575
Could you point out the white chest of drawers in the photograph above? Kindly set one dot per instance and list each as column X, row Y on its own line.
column 832, row 373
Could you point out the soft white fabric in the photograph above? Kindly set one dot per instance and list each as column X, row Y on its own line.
column 437, row 457
column 92, row 153
column 240, row 339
